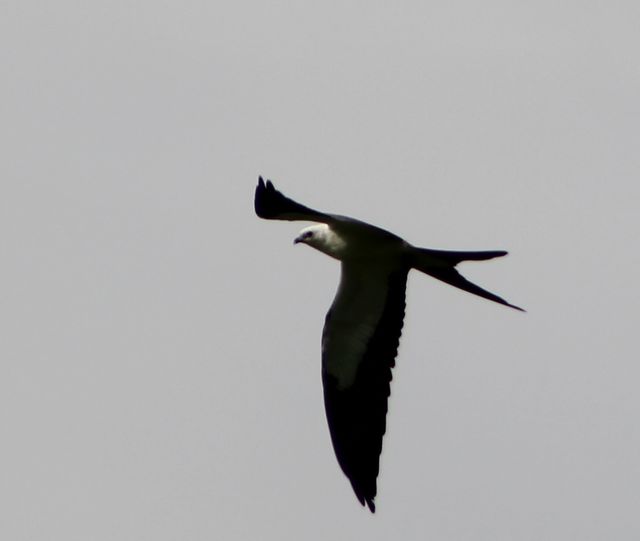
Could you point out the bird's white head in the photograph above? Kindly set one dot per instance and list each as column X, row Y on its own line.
column 322, row 238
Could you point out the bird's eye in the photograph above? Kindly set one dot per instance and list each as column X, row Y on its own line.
column 308, row 235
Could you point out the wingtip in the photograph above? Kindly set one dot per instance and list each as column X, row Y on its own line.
column 257, row 199
column 366, row 502
column 267, row 199
column 265, row 184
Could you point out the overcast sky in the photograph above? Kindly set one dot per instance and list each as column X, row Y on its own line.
column 160, row 344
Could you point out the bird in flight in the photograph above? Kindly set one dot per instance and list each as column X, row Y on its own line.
column 363, row 326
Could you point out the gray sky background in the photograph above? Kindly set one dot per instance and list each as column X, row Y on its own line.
column 160, row 344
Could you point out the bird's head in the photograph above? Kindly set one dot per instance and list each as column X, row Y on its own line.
column 322, row 238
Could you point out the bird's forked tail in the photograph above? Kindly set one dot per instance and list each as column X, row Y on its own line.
column 441, row 265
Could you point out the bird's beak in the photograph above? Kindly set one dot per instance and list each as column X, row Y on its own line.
column 297, row 240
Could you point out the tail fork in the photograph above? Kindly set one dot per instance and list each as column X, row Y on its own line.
column 441, row 265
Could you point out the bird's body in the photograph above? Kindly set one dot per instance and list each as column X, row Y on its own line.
column 363, row 326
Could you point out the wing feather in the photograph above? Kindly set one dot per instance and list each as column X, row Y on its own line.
column 271, row 204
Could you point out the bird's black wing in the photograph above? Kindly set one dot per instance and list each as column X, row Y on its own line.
column 359, row 345
column 271, row 204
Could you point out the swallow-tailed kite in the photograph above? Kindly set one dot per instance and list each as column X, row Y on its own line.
column 363, row 326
